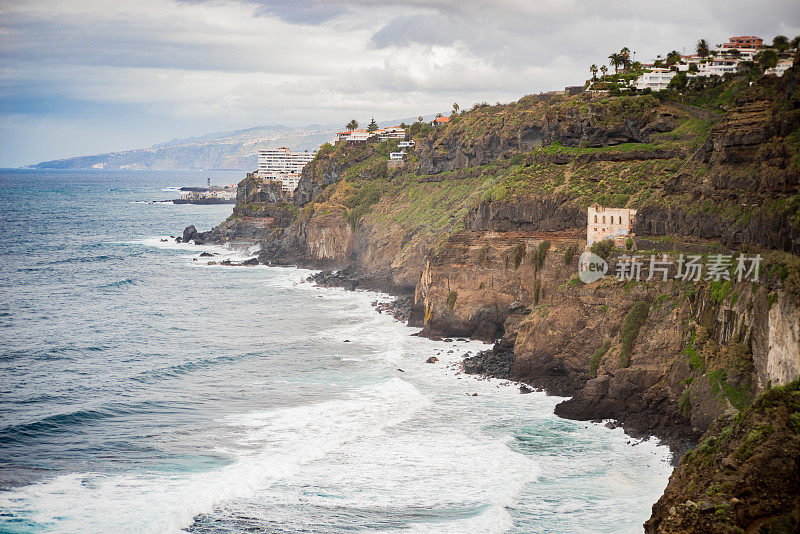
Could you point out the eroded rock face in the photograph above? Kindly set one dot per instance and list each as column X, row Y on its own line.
column 542, row 124
column 469, row 287
column 744, row 476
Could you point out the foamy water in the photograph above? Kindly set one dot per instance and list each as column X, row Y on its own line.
column 148, row 392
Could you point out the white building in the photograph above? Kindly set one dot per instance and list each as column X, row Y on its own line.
column 392, row 132
column 609, row 223
column 283, row 165
column 782, row 66
column 395, row 156
column 362, row 136
column 406, row 144
column 657, row 79
column 718, row 67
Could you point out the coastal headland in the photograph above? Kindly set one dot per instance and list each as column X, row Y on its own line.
column 481, row 230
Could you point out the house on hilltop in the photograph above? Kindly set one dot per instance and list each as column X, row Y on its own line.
column 744, row 41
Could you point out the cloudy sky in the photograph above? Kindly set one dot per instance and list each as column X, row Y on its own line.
column 89, row 76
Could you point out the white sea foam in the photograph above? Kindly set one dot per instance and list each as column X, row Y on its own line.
column 417, row 446
column 270, row 445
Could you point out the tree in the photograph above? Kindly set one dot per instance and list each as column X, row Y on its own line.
column 693, row 67
column 795, row 42
column 420, row 118
column 604, row 70
column 625, row 56
column 702, row 48
column 734, row 52
column 781, row 42
column 615, row 60
column 455, row 109
column 372, row 125
column 673, row 58
column 678, row 82
column 767, row 58
column 352, row 125
column 593, row 70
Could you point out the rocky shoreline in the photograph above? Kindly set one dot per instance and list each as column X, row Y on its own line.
column 485, row 226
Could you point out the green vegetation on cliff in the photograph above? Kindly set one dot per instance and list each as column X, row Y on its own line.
column 712, row 489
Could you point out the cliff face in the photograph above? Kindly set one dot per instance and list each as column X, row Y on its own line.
column 485, row 222
column 744, row 476
column 700, row 350
column 537, row 121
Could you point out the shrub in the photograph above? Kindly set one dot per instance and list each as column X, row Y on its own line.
column 685, row 403
column 483, row 256
column 602, row 248
column 537, row 289
column 633, row 321
column 519, row 253
column 629, row 243
column 572, row 249
column 539, row 254
column 597, row 355
column 451, row 300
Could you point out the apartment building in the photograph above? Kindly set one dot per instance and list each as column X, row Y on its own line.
column 283, row 165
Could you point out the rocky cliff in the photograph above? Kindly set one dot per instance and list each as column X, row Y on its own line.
column 744, row 476
column 485, row 221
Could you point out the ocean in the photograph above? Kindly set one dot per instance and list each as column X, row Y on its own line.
column 144, row 390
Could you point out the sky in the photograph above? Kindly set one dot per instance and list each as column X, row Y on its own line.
column 82, row 77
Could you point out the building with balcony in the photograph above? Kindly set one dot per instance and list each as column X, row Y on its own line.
column 657, row 79
column 282, row 165
column 744, row 41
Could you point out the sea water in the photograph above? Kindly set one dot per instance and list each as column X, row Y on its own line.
column 144, row 390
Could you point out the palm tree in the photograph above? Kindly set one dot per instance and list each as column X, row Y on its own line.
column 604, row 70
column 702, row 48
column 455, row 109
column 372, row 125
column 420, row 118
column 625, row 55
column 781, row 42
column 593, row 70
column 615, row 60
column 352, row 125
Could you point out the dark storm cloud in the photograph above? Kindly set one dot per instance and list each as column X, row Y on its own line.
column 236, row 63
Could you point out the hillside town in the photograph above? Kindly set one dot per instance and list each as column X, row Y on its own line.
column 672, row 72
column 676, row 70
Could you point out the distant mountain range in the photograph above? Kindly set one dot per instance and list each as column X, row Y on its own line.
column 235, row 150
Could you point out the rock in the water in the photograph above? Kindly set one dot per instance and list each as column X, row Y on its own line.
column 251, row 261
column 205, row 254
column 189, row 233
column 525, row 389
column 432, row 359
